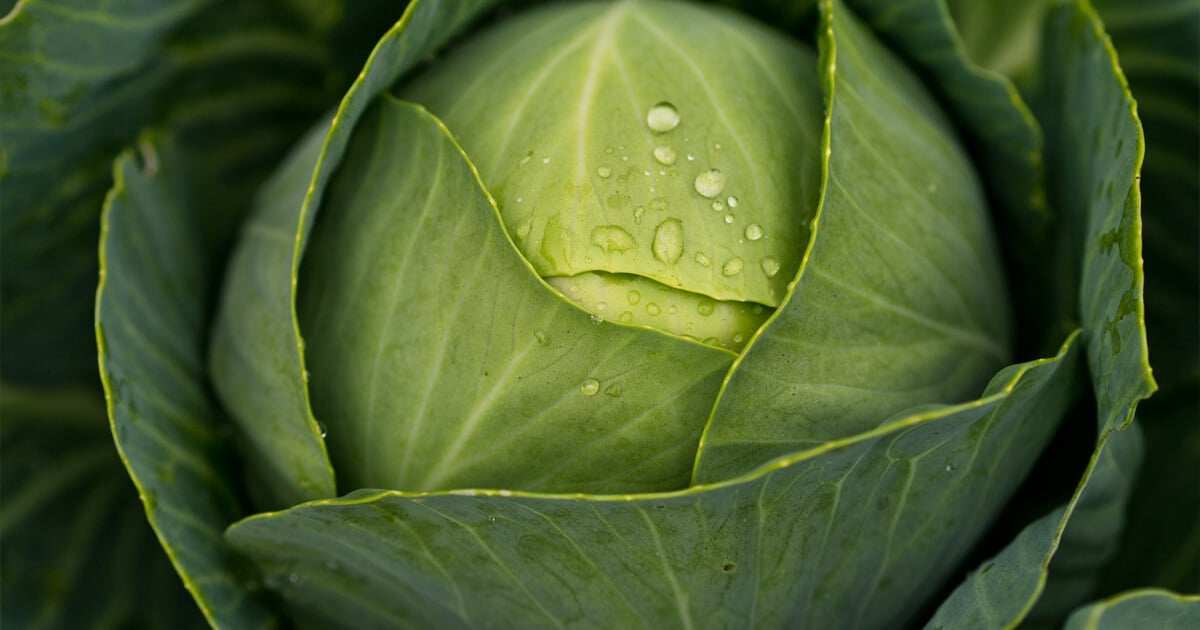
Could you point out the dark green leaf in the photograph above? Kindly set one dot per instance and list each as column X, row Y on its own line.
column 1095, row 145
column 899, row 301
column 1158, row 44
column 68, row 103
column 77, row 549
column 1139, row 609
column 151, row 312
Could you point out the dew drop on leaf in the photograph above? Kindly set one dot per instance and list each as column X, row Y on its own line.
column 754, row 232
column 665, row 155
column 589, row 387
column 732, row 267
column 662, row 118
column 770, row 266
column 710, row 183
column 668, row 241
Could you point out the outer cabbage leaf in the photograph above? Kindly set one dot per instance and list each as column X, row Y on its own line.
column 64, row 113
column 1095, row 146
column 899, row 300
column 77, row 549
column 236, row 81
column 151, row 312
column 1144, row 608
column 1158, row 44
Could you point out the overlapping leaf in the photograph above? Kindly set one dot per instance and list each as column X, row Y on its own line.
column 791, row 546
column 1095, row 143
column 1146, row 608
column 1158, row 44
column 256, row 358
column 150, row 319
column 899, row 300
column 67, row 106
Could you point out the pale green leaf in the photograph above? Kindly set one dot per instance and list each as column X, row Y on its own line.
column 559, row 111
column 439, row 360
column 256, row 360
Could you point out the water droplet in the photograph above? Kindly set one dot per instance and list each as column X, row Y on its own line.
column 770, row 266
column 293, row 578
column 732, row 267
column 524, row 228
column 668, row 241
column 665, row 155
column 634, row 297
column 702, row 260
column 717, row 146
column 612, row 238
column 653, row 308
column 596, row 319
column 710, row 183
column 690, row 157
column 589, row 387
column 712, row 341
column 626, row 317
column 738, row 338
column 949, row 468
column 321, row 429
column 718, row 206
column 613, row 391
column 637, row 214
column 602, row 306
column 754, row 232
column 706, row 307
column 542, row 338
column 729, row 218
column 732, row 201
column 545, row 160
column 662, row 118
column 525, row 160
column 604, row 171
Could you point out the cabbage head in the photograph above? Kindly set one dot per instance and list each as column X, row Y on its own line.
column 644, row 313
